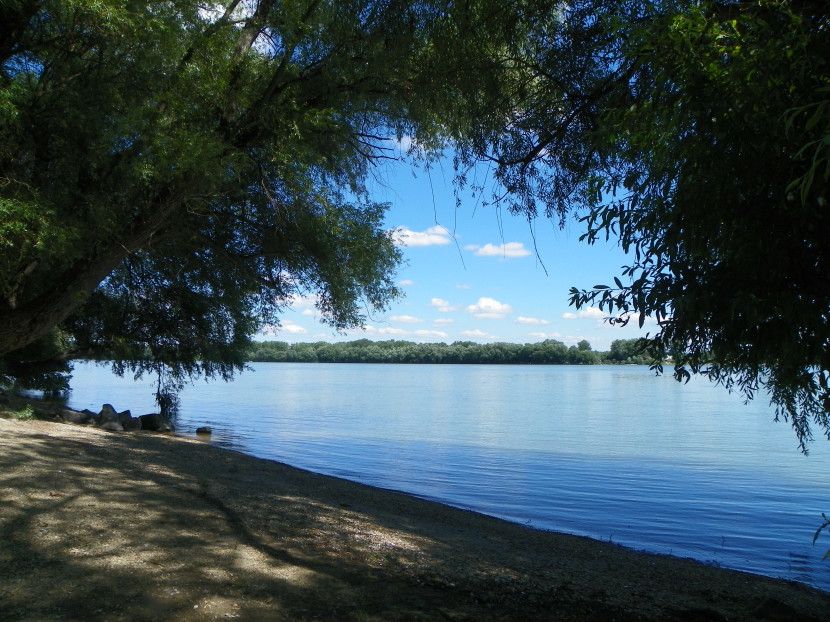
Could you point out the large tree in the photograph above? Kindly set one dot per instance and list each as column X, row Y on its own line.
column 173, row 172
column 697, row 135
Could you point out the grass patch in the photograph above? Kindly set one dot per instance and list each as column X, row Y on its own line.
column 27, row 413
column 24, row 408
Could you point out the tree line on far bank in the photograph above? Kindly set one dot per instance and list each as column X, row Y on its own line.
column 548, row 352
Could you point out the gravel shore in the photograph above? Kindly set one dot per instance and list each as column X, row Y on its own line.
column 139, row 526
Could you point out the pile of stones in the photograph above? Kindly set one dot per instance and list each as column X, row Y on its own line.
column 110, row 419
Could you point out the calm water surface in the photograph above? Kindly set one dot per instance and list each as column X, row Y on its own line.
column 613, row 453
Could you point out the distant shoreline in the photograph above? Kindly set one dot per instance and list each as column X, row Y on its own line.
column 548, row 352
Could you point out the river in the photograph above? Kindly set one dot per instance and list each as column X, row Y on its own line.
column 610, row 452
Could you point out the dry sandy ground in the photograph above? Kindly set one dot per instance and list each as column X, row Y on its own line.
column 134, row 526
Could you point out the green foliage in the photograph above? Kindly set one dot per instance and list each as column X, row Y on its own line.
column 696, row 135
column 728, row 258
column 172, row 175
column 548, row 352
column 39, row 366
column 629, row 352
column 27, row 413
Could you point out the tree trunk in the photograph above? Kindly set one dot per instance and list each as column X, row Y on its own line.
column 33, row 319
column 24, row 324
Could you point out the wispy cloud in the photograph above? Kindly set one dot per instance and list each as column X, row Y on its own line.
column 530, row 320
column 431, row 334
column 423, row 334
column 287, row 326
column 443, row 320
column 408, row 144
column 434, row 236
column 386, row 330
column 442, row 305
column 477, row 334
column 489, row 308
column 591, row 313
column 405, row 319
column 306, row 305
column 304, row 302
column 508, row 250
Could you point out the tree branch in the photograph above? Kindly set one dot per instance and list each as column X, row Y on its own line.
column 36, row 317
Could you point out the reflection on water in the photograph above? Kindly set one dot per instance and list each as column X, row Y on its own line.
column 608, row 452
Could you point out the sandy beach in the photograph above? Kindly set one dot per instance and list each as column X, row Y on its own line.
column 97, row 525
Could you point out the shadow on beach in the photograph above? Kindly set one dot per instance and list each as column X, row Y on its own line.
column 108, row 526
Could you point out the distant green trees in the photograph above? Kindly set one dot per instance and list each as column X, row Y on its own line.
column 548, row 352
column 627, row 351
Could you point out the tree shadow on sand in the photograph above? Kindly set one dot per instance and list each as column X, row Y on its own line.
column 137, row 530
column 98, row 526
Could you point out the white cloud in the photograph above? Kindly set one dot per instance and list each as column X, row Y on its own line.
column 285, row 327
column 386, row 330
column 431, row 334
column 309, row 312
column 408, row 144
column 444, row 320
column 505, row 251
column 406, row 319
column 463, row 287
column 304, row 302
column 477, row 334
column 489, row 308
column 243, row 11
column 591, row 313
column 442, row 305
column 291, row 328
column 404, row 143
column 406, row 282
column 530, row 320
column 434, row 236
column 268, row 330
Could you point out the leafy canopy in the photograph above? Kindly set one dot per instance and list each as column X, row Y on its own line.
column 697, row 135
column 173, row 173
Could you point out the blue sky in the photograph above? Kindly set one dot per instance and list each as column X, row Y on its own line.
column 472, row 272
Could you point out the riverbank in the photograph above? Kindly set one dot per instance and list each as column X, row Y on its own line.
column 97, row 525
